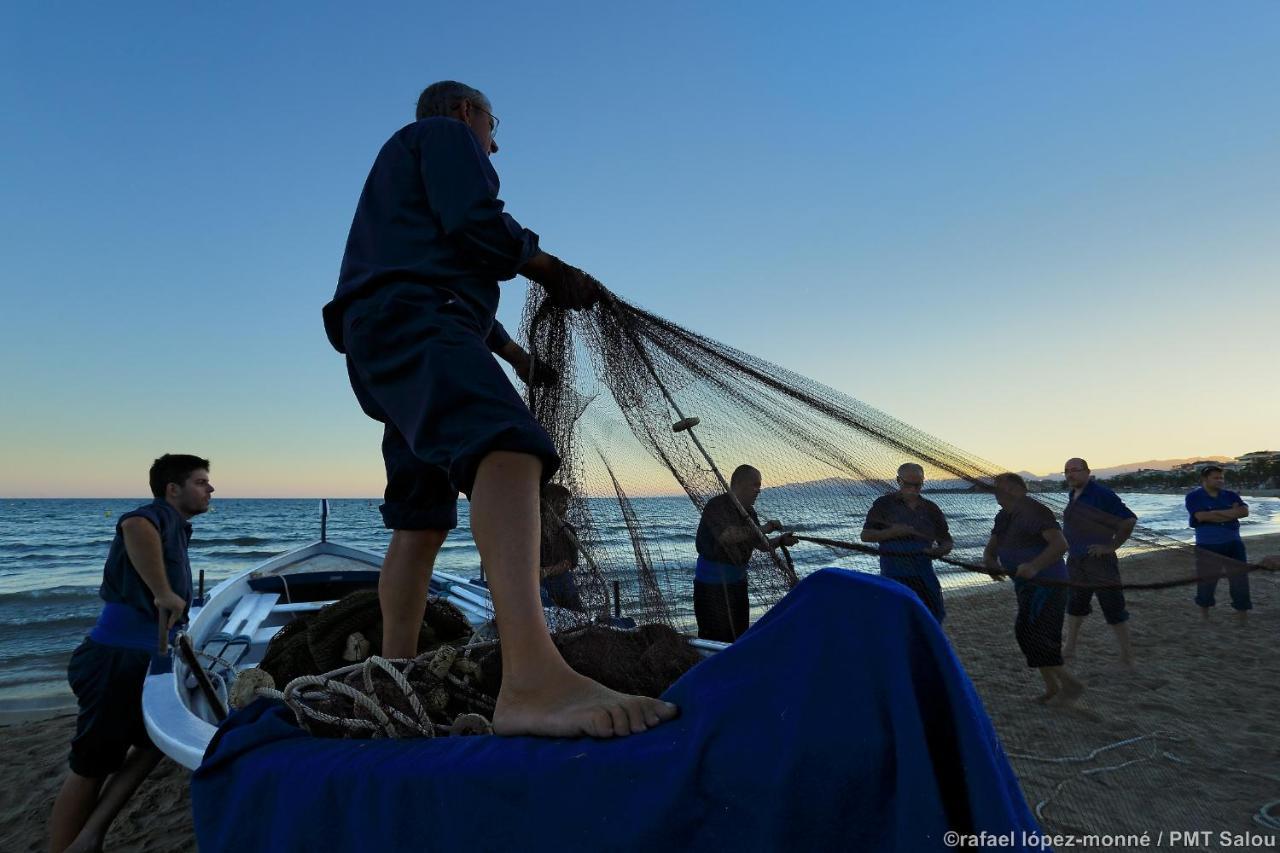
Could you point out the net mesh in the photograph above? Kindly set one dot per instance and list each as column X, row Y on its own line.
column 650, row 419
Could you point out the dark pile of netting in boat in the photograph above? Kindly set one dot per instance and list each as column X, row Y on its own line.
column 327, row 669
column 349, row 631
column 651, row 419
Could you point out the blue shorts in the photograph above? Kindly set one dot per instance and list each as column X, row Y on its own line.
column 1096, row 575
column 107, row 681
column 418, row 363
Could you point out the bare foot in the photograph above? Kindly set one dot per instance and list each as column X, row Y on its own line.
column 1070, row 692
column 1241, row 617
column 85, row 843
column 1045, row 697
column 571, row 705
column 1204, row 614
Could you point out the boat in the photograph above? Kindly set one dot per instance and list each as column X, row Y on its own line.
column 230, row 628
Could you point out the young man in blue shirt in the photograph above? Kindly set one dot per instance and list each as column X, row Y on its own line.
column 1096, row 523
column 1027, row 543
column 414, row 314
column 911, row 530
column 1215, row 512
column 147, row 572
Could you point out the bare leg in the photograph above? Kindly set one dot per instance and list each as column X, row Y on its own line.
column 402, row 588
column 1051, row 686
column 540, row 694
column 1073, row 634
column 1204, row 614
column 1125, row 643
column 120, row 786
column 74, row 803
column 1069, row 687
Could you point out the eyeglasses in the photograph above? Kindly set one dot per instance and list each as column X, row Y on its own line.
column 493, row 119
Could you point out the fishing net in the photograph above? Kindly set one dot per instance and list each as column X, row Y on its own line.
column 330, row 673
column 651, row 418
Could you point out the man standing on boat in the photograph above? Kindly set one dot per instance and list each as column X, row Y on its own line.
column 414, row 314
column 911, row 530
column 1215, row 512
column 147, row 572
column 1096, row 523
column 725, row 542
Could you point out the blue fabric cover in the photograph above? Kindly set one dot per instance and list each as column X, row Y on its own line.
column 812, row 732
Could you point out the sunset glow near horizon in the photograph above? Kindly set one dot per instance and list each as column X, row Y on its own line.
column 1035, row 232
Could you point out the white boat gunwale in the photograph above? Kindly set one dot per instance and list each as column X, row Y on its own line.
column 183, row 734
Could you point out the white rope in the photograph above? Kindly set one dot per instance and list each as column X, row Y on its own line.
column 303, row 693
column 1263, row 817
column 1266, row 819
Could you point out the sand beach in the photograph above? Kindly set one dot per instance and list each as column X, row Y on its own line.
column 1198, row 716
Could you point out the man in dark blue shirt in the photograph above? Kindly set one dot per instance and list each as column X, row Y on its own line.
column 1096, row 523
column 147, row 573
column 1215, row 512
column 1027, row 543
column 911, row 531
column 414, row 313
column 729, row 531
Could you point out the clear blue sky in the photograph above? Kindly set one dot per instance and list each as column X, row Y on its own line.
column 1035, row 230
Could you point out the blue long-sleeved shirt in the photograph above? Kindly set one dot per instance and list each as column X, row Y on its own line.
column 430, row 214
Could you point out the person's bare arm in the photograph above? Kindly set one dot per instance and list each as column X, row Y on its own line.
column 1057, row 547
column 990, row 560
column 1123, row 531
column 942, row 549
column 1218, row 515
column 556, row 569
column 788, row 539
column 565, row 285
column 142, row 544
column 893, row 531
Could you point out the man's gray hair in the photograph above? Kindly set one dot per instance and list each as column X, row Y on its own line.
column 909, row 467
column 439, row 99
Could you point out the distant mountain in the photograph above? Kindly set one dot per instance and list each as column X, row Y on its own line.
column 1130, row 467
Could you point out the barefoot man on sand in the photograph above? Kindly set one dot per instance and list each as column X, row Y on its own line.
column 1027, row 542
column 1096, row 524
column 414, row 313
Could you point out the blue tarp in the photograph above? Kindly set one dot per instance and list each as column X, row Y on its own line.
column 841, row 720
